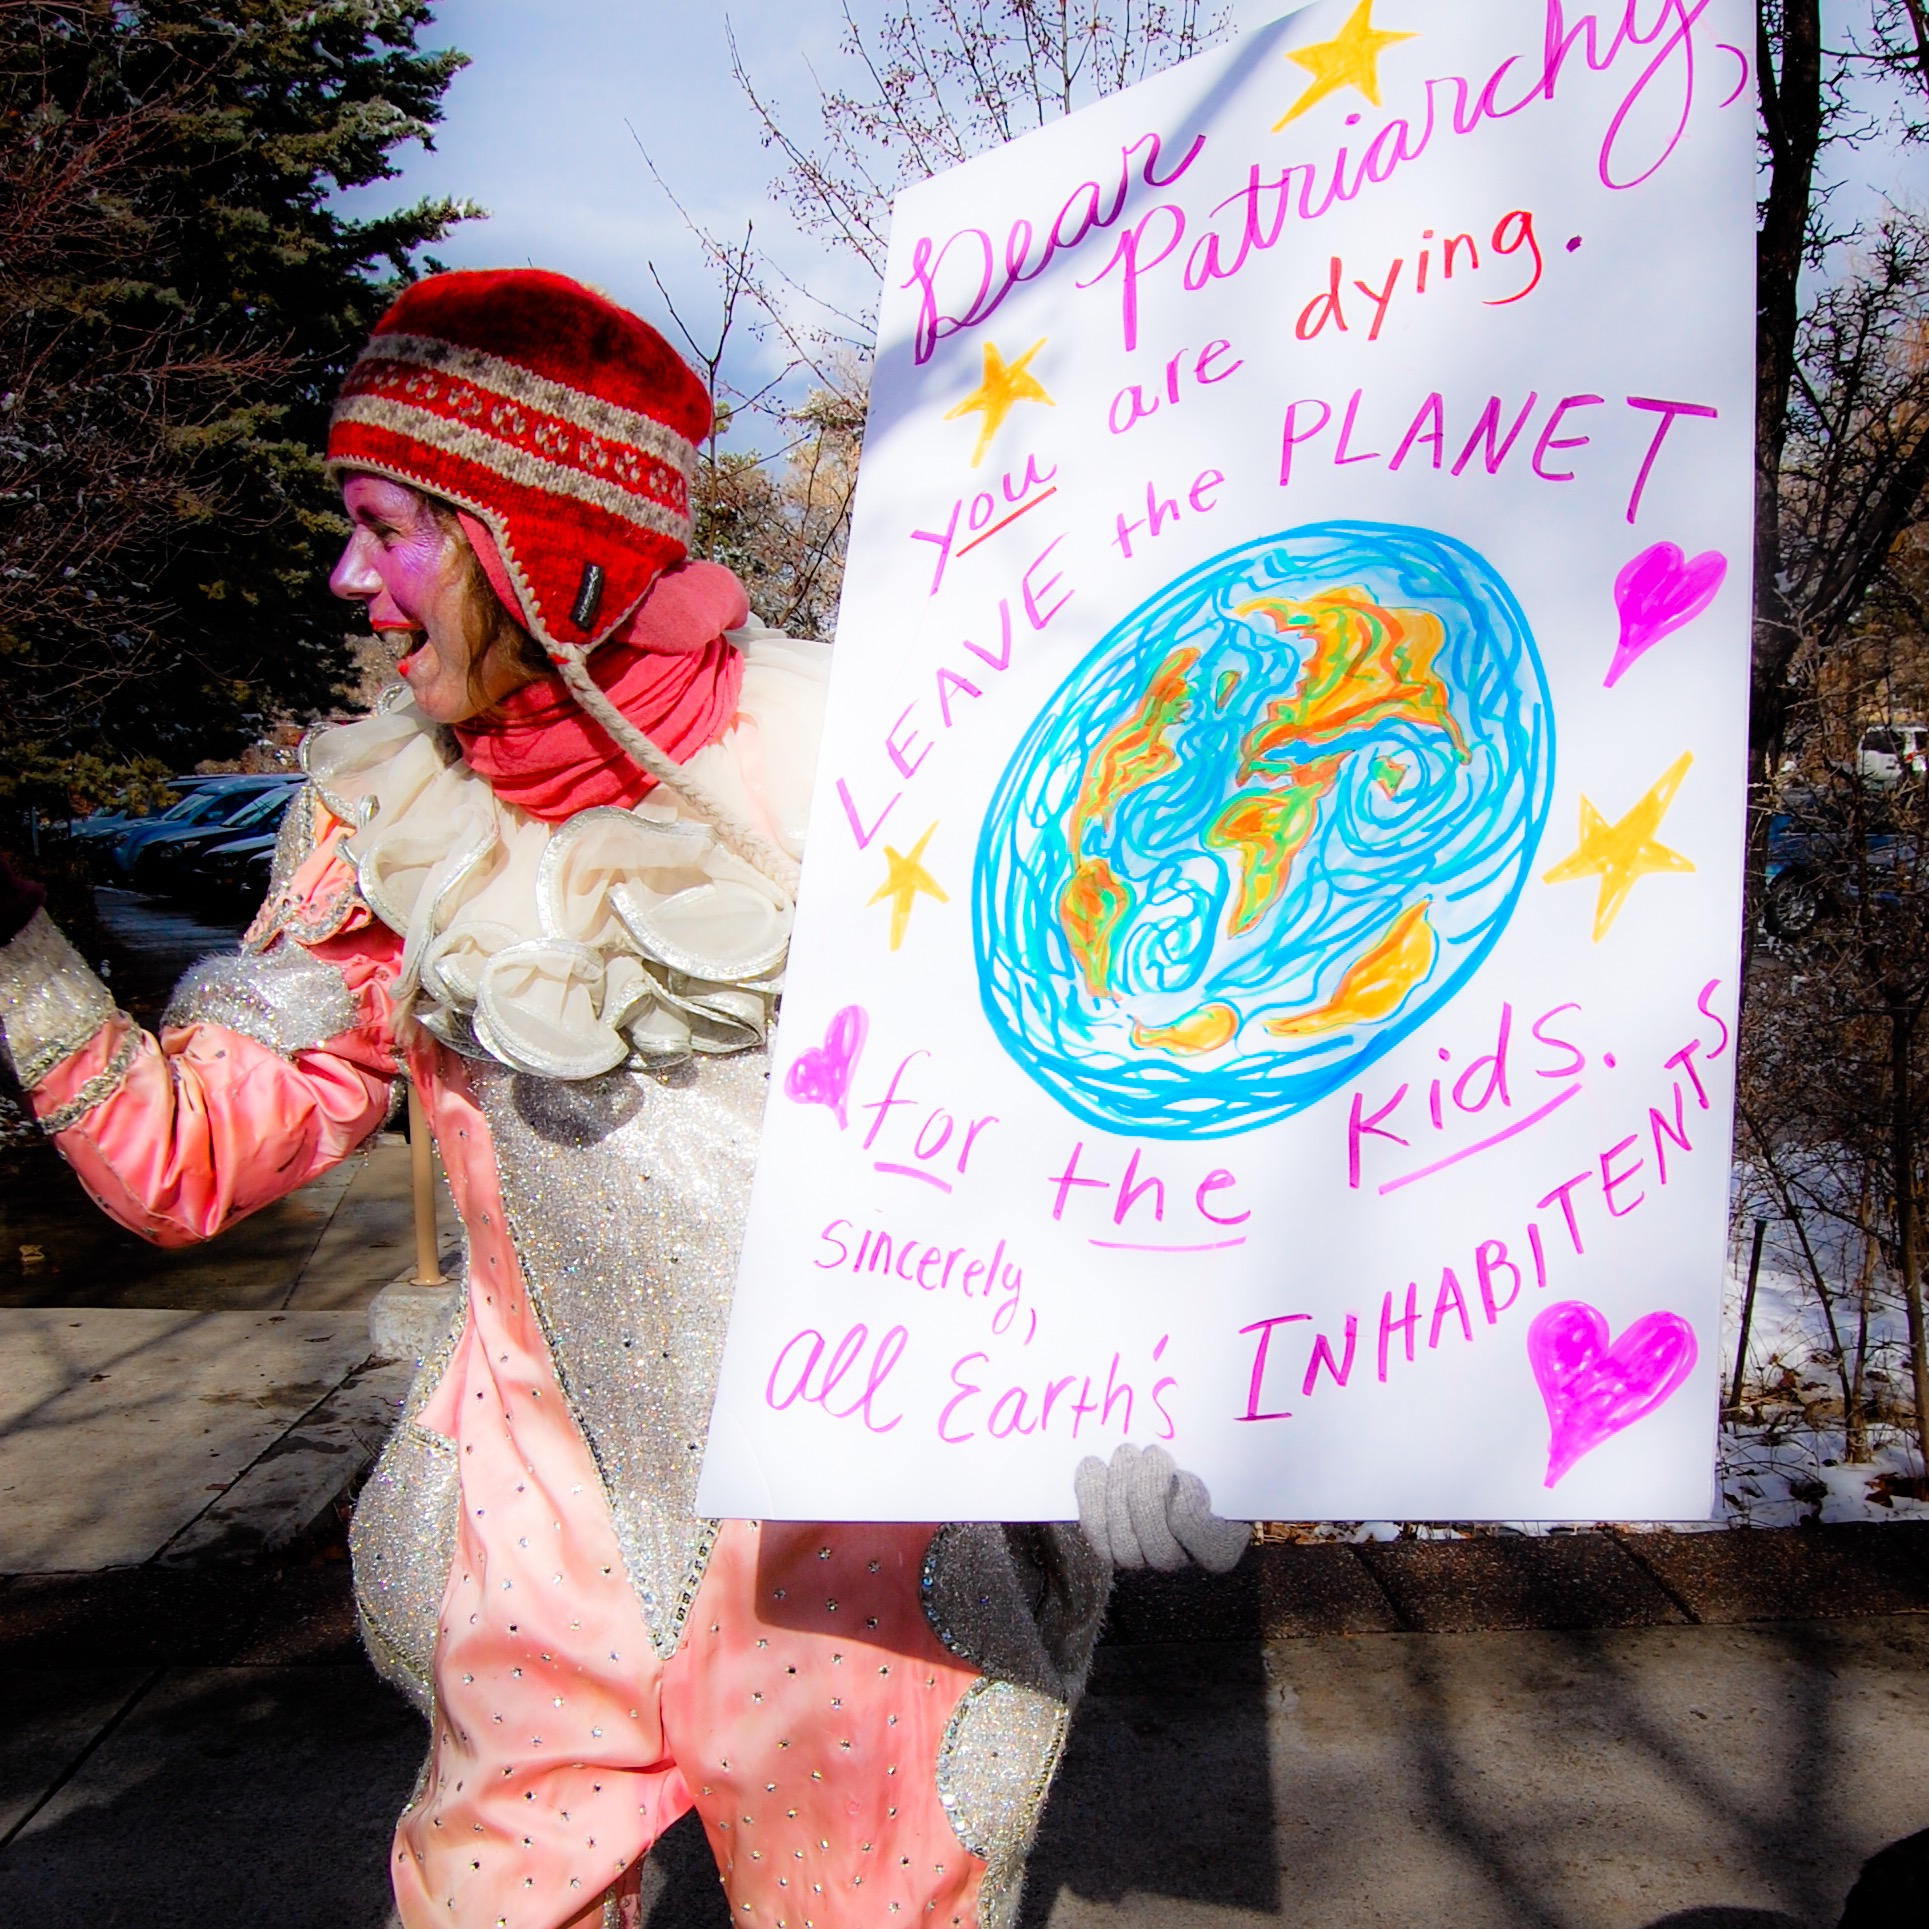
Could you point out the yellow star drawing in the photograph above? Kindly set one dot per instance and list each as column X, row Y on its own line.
column 1620, row 853
column 1350, row 59
column 905, row 879
column 1005, row 383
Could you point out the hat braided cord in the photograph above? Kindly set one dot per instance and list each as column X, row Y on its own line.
column 755, row 849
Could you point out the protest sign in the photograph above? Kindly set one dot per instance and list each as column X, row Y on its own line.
column 1265, row 976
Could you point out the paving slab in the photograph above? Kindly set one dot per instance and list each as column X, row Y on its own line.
column 119, row 1426
column 1701, row 1778
column 147, row 1617
column 1518, row 1581
column 292, row 1488
column 1854, row 1568
column 1675, row 1777
column 370, row 1236
column 1275, row 1592
column 53, row 1717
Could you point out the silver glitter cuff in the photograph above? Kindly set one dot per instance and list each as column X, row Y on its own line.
column 284, row 998
column 995, row 1766
column 102, row 1086
column 51, row 1003
column 1020, row 1602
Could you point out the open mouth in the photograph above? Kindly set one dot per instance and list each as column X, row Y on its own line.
column 412, row 642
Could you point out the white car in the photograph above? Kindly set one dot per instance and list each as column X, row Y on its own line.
column 1889, row 749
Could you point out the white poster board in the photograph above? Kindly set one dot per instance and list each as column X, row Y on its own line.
column 1264, row 982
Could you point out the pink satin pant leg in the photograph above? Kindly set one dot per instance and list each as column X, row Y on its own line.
column 806, row 1708
column 549, row 1777
column 803, row 1712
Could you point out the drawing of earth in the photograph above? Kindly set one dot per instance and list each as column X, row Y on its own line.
column 1274, row 820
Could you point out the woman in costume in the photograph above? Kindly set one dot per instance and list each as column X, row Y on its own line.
column 552, row 883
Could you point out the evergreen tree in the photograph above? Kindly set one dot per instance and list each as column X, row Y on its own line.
column 180, row 296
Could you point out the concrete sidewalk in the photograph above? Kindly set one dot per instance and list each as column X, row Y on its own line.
column 129, row 1436
column 198, row 1747
column 211, row 1404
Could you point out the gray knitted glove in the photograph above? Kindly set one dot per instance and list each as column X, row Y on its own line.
column 1141, row 1511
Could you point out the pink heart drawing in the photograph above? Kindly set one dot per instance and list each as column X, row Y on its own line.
column 822, row 1074
column 1592, row 1389
column 1657, row 592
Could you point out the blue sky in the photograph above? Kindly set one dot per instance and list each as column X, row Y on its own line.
column 543, row 127
column 538, row 129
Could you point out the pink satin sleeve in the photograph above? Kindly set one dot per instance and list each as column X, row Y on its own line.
column 208, row 1125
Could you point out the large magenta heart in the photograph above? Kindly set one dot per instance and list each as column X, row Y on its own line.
column 1656, row 593
column 822, row 1074
column 1592, row 1389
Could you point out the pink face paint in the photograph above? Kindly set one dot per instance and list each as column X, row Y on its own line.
column 403, row 564
column 396, row 557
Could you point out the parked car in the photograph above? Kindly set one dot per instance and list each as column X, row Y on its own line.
column 232, row 878
column 213, row 804
column 106, row 825
column 165, row 860
column 1814, row 873
column 1889, row 750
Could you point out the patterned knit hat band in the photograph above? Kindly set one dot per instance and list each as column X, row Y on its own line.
column 563, row 422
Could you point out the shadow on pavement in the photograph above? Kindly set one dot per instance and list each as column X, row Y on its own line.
column 681, row 1888
column 218, row 1799
column 1742, row 1765
column 1727, row 1919
column 1166, row 1788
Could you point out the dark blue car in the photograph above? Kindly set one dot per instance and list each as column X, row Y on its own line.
column 214, row 804
column 163, row 860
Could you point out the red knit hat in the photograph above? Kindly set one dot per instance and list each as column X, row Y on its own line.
column 561, row 421
column 568, row 428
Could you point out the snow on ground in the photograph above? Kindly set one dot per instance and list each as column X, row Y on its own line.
column 1784, row 1456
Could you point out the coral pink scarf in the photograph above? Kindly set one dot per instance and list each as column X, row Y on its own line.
column 668, row 669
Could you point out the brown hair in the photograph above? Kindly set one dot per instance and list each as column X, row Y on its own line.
column 488, row 623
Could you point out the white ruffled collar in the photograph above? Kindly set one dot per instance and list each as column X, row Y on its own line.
column 564, row 950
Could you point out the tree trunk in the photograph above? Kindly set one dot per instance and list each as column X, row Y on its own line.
column 1902, row 1025
column 1856, row 1440
column 1792, row 121
column 1792, row 112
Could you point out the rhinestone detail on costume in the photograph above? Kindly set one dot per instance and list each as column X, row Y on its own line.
column 995, row 1765
column 403, row 1535
column 626, row 1198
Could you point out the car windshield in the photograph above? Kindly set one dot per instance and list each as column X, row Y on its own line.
column 261, row 810
column 1882, row 743
column 234, row 805
column 189, row 810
